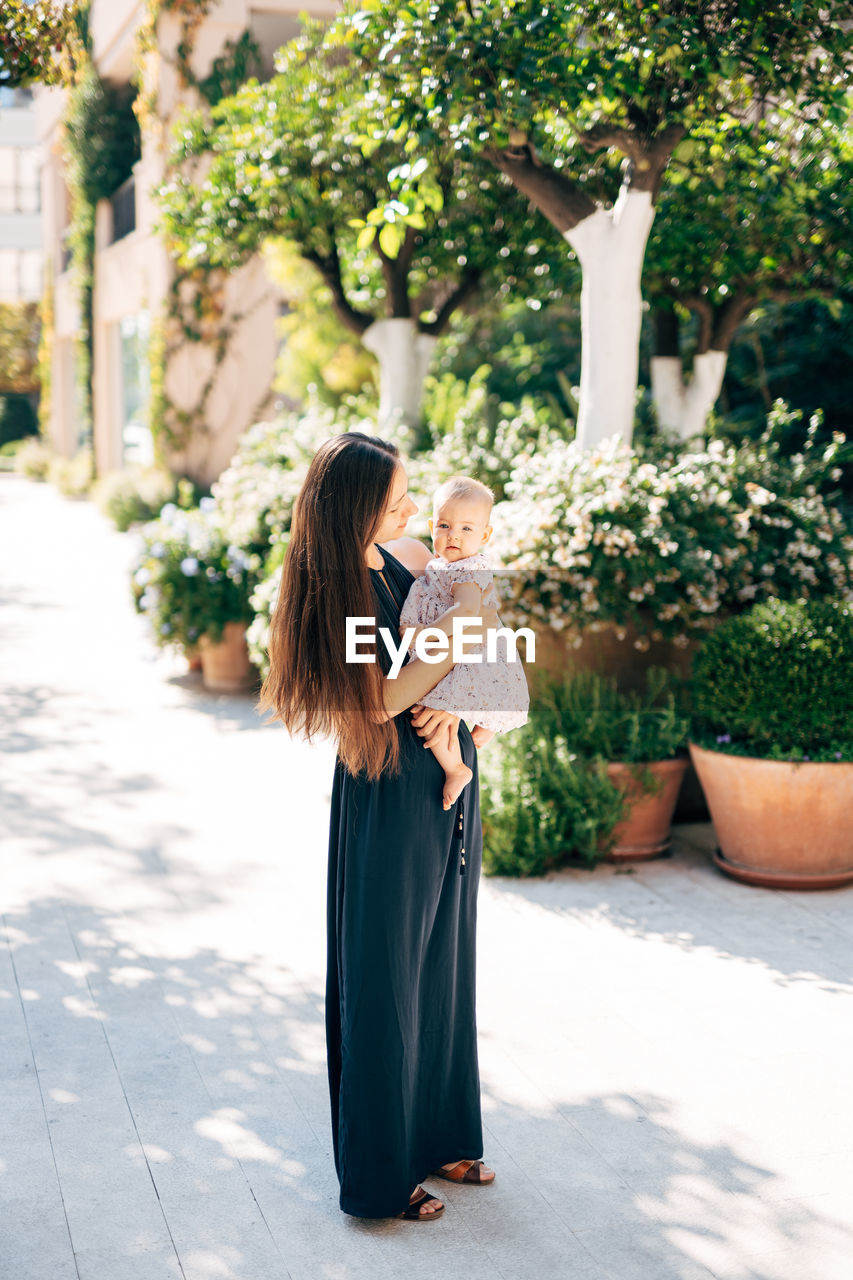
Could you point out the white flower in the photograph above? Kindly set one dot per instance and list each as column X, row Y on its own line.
column 189, row 566
column 142, row 576
column 207, row 504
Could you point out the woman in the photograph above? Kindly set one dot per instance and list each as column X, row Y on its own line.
column 400, row 1019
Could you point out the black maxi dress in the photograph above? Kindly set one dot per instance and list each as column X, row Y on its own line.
column 400, row 987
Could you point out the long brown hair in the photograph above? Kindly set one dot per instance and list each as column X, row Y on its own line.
column 311, row 688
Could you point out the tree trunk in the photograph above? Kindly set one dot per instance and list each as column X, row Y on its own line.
column 404, row 356
column 611, row 246
column 682, row 406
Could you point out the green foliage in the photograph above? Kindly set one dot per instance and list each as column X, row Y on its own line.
column 319, row 359
column 101, row 142
column 256, row 492
column 189, row 579
column 543, row 805
column 532, row 349
column 38, row 41
column 101, row 136
column 17, row 418
column 304, row 158
column 598, row 719
column 240, row 59
column 797, row 352
column 467, row 430
column 133, row 495
column 19, row 339
column 32, row 459
column 751, row 211
column 72, row 476
column 485, row 70
column 670, row 539
column 546, row 798
column 777, row 682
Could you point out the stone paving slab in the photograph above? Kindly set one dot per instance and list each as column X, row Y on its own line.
column 665, row 1053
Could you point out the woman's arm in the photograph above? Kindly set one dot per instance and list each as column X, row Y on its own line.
column 417, row 677
column 466, row 596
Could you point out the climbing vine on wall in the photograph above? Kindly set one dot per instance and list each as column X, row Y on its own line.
column 101, row 144
column 44, row 360
column 194, row 309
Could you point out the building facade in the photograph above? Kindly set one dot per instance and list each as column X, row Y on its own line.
column 132, row 270
column 20, row 199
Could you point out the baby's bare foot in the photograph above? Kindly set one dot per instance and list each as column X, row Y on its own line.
column 455, row 782
column 481, row 736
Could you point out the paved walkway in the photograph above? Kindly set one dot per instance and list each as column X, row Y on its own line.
column 666, row 1055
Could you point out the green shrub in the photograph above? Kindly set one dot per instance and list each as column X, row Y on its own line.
column 17, row 417
column 543, row 805
column 33, row 458
column 8, row 452
column 134, row 494
column 72, row 476
column 600, row 720
column 470, row 432
column 256, row 493
column 668, row 539
column 189, row 579
column 777, row 682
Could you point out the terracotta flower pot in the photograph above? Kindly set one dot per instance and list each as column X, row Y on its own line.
column 225, row 666
column 780, row 823
column 193, row 658
column 645, row 832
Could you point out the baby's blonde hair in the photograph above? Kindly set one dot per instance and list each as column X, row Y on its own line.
column 462, row 487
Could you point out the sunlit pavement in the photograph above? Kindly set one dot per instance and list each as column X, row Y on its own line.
column 666, row 1055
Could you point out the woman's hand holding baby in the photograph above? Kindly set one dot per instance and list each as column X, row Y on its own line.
column 434, row 726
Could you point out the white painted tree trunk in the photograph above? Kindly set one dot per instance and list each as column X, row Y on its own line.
column 611, row 246
column 404, row 357
column 682, row 406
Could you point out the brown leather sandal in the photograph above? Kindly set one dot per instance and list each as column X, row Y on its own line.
column 465, row 1171
column 413, row 1213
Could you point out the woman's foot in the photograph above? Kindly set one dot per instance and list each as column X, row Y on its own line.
column 481, row 736
column 455, row 782
column 474, row 1172
column 422, row 1205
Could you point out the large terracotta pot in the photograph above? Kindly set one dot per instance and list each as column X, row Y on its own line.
column 645, row 832
column 780, row 823
column 225, row 666
column 604, row 652
column 193, row 658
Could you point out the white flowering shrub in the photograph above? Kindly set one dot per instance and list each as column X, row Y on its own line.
column 256, row 493
column 262, row 601
column 668, row 540
column 190, row 579
column 469, row 433
column 133, row 494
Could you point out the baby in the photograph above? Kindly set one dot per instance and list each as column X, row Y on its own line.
column 493, row 695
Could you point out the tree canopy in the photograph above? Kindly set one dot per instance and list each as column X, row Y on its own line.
column 749, row 212
column 519, row 78
column 38, row 39
column 305, row 158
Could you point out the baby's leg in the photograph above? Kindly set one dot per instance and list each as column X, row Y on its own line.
column 481, row 736
column 456, row 774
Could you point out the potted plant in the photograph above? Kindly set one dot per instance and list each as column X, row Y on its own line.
column 194, row 585
column 772, row 742
column 640, row 734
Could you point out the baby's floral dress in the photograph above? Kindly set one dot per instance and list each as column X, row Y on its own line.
column 491, row 694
